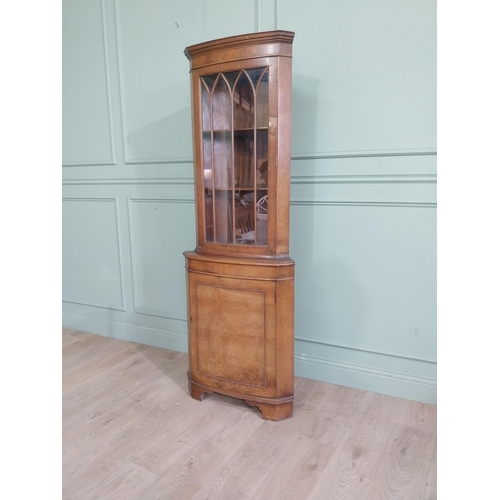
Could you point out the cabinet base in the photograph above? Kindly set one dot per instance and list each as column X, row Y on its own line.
column 271, row 409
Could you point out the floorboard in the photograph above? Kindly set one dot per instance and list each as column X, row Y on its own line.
column 132, row 432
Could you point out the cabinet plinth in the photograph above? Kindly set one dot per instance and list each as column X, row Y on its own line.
column 240, row 278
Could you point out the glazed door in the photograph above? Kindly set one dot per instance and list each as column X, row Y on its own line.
column 235, row 147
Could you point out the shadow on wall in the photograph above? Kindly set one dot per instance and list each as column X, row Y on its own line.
column 329, row 301
column 167, row 139
column 342, row 307
column 304, row 113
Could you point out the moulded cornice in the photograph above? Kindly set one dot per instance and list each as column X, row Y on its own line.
column 233, row 42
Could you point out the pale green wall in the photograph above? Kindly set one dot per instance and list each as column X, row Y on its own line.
column 363, row 216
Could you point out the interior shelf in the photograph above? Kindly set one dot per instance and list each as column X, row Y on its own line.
column 236, row 130
column 239, row 188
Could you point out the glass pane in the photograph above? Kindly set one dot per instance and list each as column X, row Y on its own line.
column 235, row 109
column 244, row 167
column 221, row 105
column 262, row 145
column 209, row 80
column 223, row 216
column 244, row 217
column 207, row 161
column 255, row 75
column 231, row 78
column 222, row 160
column 205, row 107
column 263, row 101
column 243, row 101
column 206, row 84
column 209, row 215
column 208, row 183
column 262, row 193
column 262, row 218
column 244, row 159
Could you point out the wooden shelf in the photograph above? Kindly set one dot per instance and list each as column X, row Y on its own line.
column 238, row 188
column 236, row 130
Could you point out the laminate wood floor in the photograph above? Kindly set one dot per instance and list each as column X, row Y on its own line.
column 132, row 432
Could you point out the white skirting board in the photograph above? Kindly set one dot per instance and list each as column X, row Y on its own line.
column 375, row 380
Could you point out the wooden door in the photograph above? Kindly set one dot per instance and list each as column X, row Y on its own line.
column 233, row 334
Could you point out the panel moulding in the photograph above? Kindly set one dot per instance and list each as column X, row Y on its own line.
column 333, row 203
column 108, row 82
column 266, row 15
column 317, row 155
column 90, row 164
column 365, row 179
column 89, row 304
column 112, row 162
column 159, row 314
column 295, row 179
column 369, row 349
column 120, row 252
column 160, row 161
column 365, row 369
column 123, row 104
column 174, row 181
column 137, row 307
column 121, row 79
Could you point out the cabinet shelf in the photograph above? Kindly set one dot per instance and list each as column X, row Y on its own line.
column 236, row 130
column 239, row 188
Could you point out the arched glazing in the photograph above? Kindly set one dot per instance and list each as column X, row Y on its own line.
column 235, row 120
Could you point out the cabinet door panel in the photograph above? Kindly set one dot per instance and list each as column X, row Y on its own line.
column 232, row 333
column 231, row 343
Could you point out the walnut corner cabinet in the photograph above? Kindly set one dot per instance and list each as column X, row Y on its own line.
column 240, row 278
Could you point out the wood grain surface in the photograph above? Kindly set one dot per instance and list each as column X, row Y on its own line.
column 132, row 432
